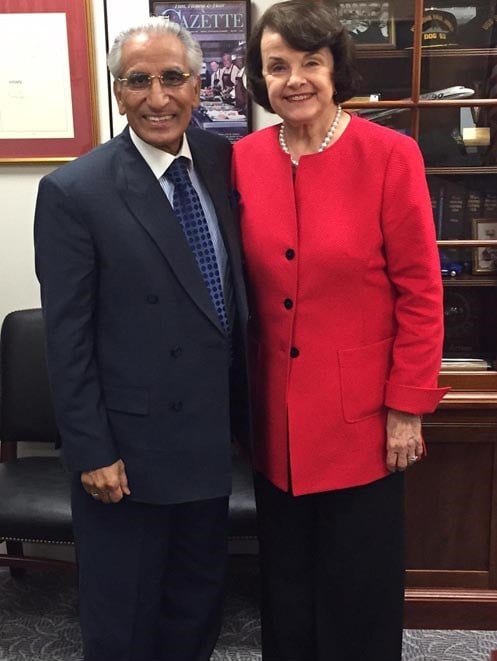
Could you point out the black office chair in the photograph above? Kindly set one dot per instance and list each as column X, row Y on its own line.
column 34, row 490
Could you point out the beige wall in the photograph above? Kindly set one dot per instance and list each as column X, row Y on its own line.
column 19, row 183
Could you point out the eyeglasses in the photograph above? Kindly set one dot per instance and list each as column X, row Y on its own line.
column 141, row 81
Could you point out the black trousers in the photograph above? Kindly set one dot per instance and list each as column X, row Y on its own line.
column 151, row 578
column 332, row 569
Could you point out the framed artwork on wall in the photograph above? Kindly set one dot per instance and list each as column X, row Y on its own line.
column 370, row 23
column 47, row 94
column 221, row 28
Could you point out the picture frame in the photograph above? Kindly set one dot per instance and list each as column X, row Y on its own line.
column 222, row 30
column 370, row 23
column 52, row 117
column 485, row 258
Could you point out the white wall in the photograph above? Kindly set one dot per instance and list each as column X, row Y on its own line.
column 19, row 183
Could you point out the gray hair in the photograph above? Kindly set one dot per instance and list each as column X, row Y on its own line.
column 155, row 25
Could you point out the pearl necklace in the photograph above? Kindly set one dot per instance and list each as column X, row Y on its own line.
column 327, row 138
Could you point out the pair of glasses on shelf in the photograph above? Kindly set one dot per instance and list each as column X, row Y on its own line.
column 141, row 81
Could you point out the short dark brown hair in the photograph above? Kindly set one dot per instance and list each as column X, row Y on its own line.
column 305, row 26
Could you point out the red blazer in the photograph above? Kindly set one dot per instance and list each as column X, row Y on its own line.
column 346, row 296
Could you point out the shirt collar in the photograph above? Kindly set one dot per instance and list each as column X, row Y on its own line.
column 158, row 160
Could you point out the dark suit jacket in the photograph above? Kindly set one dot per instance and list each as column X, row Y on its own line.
column 138, row 362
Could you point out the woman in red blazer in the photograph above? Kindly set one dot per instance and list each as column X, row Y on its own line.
column 346, row 335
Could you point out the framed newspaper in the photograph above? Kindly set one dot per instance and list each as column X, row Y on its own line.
column 221, row 28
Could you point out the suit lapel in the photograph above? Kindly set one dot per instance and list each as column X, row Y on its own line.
column 144, row 197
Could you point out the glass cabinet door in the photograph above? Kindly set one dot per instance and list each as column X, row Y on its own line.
column 465, row 217
column 430, row 71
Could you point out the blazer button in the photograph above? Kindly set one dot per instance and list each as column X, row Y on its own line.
column 176, row 406
column 294, row 352
column 176, row 352
column 290, row 253
column 152, row 299
column 288, row 303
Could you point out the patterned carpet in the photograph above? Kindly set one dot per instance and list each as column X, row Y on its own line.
column 38, row 622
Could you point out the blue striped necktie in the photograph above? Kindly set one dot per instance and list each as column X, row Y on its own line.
column 188, row 209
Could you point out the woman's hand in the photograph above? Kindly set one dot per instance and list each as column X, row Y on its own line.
column 404, row 440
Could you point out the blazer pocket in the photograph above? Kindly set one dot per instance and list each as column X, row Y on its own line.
column 135, row 401
column 363, row 375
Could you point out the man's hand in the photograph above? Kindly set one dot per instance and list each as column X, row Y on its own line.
column 404, row 440
column 108, row 484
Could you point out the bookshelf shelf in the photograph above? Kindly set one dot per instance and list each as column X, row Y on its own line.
column 468, row 280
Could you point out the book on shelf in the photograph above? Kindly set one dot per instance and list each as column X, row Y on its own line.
column 448, row 201
column 437, row 196
column 490, row 205
column 453, row 205
column 474, row 208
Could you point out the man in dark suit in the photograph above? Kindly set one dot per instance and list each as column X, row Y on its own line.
column 145, row 336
